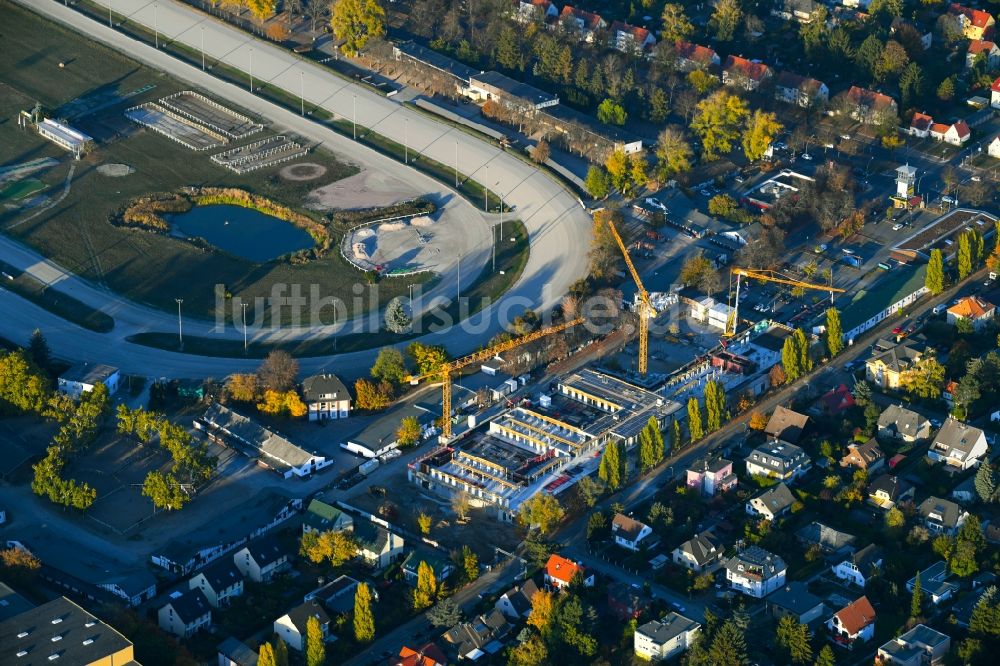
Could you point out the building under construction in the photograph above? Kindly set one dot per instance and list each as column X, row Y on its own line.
column 543, row 446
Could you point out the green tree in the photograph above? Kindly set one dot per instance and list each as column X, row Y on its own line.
column 729, row 646
column 597, row 182
column 762, row 128
column 894, row 518
column 790, row 359
column 986, row 482
column 964, row 257
column 542, row 510
column 470, row 564
column 694, row 419
column 425, row 592
column 280, row 652
column 427, row 358
column 408, row 432
column 356, row 22
column 911, row 85
column 715, row 405
column 23, row 387
column 364, row 619
column 794, row 638
column 397, row 319
column 315, row 645
column 924, row 379
column 834, row 332
column 802, row 346
column 676, row 25
column 659, row 106
column 650, row 445
column 589, row 490
column 717, row 121
column 165, row 491
column 946, row 91
column 445, row 613
column 826, row 657
column 597, row 524
column 612, row 468
column 725, row 20
column 869, row 54
column 675, row 435
column 38, row 350
column 611, row 112
column 508, row 51
column 934, row 281
column 916, row 598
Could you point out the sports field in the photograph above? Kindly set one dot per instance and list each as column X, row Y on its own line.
column 145, row 267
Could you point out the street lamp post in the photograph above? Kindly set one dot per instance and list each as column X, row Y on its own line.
column 251, row 70
column 110, row 2
column 244, row 327
column 456, row 163
column 302, row 93
column 203, row 48
column 486, row 190
column 180, row 324
column 355, row 121
column 156, row 28
column 406, row 140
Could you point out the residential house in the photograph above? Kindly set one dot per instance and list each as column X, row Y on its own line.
column 995, row 95
column 958, row 445
column 796, row 601
column 778, row 460
column 889, row 490
column 586, row 24
column 378, row 547
column 711, row 475
column 428, row 654
column 803, row 11
column 441, row 566
column 559, row 572
column 889, row 360
column 629, row 38
column 975, row 23
column 291, row 627
column 935, row 583
column 326, row 397
column 665, row 639
column 834, row 402
column 746, row 74
column 337, row 596
column 756, row 572
column 532, row 10
column 941, row 516
column 233, row 652
column 828, row 539
column 993, row 149
column 867, row 456
column 261, row 559
column 700, row 553
column 985, row 49
column 859, row 566
column 83, row 377
column 481, row 636
column 630, row 533
column 134, row 587
column 868, row 106
column 515, row 603
column 855, row 623
column 920, row 646
column 973, row 309
column 955, row 133
column 220, row 582
column 772, row 503
column 920, row 125
column 626, row 601
column 802, row 91
column 36, row 636
column 185, row 613
column 693, row 56
column 322, row 517
column 786, row 425
column 899, row 423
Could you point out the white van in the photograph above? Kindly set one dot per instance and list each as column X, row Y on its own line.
column 939, row 308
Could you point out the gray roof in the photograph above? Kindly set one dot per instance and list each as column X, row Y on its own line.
column 85, row 373
column 777, row 499
column 913, row 643
column 337, row 596
column 943, row 511
column 786, row 424
column 237, row 651
column 266, row 550
column 825, row 536
column 904, row 421
column 669, row 628
column 958, row 437
column 513, row 88
column 278, row 451
column 375, row 537
column 866, row 558
column 702, row 547
column 475, row 634
column 890, row 484
column 795, row 598
column 435, row 60
column 934, row 580
column 221, row 574
column 897, row 357
column 779, row 456
column 301, row 614
column 60, row 617
column 190, row 605
column 520, row 596
column 12, row 603
column 316, row 386
column 756, row 561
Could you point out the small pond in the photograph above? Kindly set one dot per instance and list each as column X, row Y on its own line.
column 242, row 231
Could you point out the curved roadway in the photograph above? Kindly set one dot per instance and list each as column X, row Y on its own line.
column 558, row 227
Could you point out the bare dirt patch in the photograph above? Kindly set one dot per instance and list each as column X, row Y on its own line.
column 302, row 171
column 115, row 170
column 368, row 189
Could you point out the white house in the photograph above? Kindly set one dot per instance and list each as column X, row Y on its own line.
column 261, row 559
column 377, row 546
column 772, row 503
column 529, row 10
column 515, row 603
column 702, row 552
column 955, row 133
column 559, row 572
column 920, row 646
column 803, row 91
column 756, row 572
column 995, row 94
column 667, row 638
column 993, row 149
column 854, row 623
column 185, row 613
column 985, row 48
column 326, row 397
column 858, row 567
column 778, row 460
column 628, row 532
column 291, row 627
column 958, row 445
column 83, row 377
column 220, row 582
column 935, row 583
column 941, row 516
column 977, row 311
column 629, row 38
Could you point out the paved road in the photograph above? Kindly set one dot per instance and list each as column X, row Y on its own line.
column 558, row 227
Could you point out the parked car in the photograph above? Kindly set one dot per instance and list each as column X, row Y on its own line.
column 897, row 226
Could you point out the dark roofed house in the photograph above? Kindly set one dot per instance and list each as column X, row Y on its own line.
column 83, row 377
column 431, row 61
column 958, row 445
column 888, row 490
column 261, row 559
column 479, row 637
column 233, row 652
column 772, row 503
column 889, row 360
column 505, row 90
column 630, row 533
column 802, row 91
column 626, row 601
column 920, row 646
column 220, row 582
column 941, row 516
column 894, row 291
column 786, row 424
column 867, row 456
column 779, row 460
column 442, row 567
column 379, row 547
column 796, row 601
column 898, row 422
column 935, row 583
column 291, row 627
column 859, row 566
column 322, row 517
column 185, row 613
column 337, row 596
column 671, row 636
column 515, row 603
column 12, row 603
column 702, row 552
column 326, row 397
column 826, row 537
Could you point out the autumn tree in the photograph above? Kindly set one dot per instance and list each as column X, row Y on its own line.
column 916, row 597
column 758, row 420
column 408, row 432
column 364, row 619
column 542, row 510
column 265, row 656
column 243, row 387
column 924, row 379
column 717, row 121
column 651, row 445
column 676, row 25
column 934, row 279
column 285, row 404
column 761, row 130
column 597, row 182
column 542, row 606
column 694, row 419
column 356, row 22
column 165, row 491
column 427, row 358
column 725, row 20
column 278, row 371
column 834, row 335
column 315, row 643
column 425, row 593
column 715, row 405
column 541, row 152
column 372, row 396
column 261, row 9
column 673, row 152
column 331, row 546
column 469, row 562
column 612, row 468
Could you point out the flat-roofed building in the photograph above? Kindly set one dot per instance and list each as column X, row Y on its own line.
column 65, row 136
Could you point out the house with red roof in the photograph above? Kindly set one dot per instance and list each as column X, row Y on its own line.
column 559, row 572
column 920, row 125
column 428, row 654
column 531, row 10
column 868, row 106
column 995, row 94
column 693, row 56
column 629, row 38
column 854, row 623
column 956, row 133
column 803, row 91
column 585, row 23
column 985, row 49
column 743, row 73
column 975, row 23
column 837, row 400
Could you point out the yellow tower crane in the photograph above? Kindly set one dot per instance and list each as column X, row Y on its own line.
column 646, row 310
column 443, row 374
column 766, row 275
